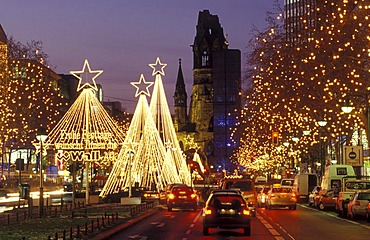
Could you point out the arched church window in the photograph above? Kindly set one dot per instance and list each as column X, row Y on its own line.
column 205, row 59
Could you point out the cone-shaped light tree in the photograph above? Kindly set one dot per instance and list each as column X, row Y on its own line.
column 86, row 133
column 162, row 117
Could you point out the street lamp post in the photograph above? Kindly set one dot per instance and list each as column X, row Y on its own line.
column 131, row 153
column 321, row 123
column 41, row 137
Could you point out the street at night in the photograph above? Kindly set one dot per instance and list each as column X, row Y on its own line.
column 185, row 120
column 303, row 223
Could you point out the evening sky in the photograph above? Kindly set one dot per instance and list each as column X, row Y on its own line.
column 122, row 37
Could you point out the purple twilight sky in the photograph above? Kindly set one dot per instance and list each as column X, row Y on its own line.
column 122, row 37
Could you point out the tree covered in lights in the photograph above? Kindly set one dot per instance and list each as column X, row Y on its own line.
column 293, row 86
column 29, row 93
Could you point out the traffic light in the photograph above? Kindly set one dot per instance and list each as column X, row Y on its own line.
column 275, row 137
column 19, row 164
column 191, row 167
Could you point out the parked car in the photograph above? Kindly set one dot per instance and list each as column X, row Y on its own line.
column 341, row 205
column 262, row 196
column 246, row 186
column 312, row 202
column 226, row 210
column 358, row 204
column 281, row 197
column 182, row 197
column 348, row 189
column 327, row 200
column 367, row 210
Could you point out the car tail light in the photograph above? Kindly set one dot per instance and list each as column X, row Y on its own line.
column 171, row 196
column 182, row 192
column 146, row 195
column 208, row 211
column 357, row 203
column 250, row 204
column 193, row 195
column 246, row 212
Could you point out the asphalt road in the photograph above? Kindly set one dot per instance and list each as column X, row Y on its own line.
column 303, row 223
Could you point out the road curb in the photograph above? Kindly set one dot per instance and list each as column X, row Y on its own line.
column 120, row 227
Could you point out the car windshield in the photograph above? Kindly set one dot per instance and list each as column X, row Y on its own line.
column 281, row 190
column 242, row 185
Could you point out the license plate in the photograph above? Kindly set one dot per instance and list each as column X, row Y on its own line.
column 182, row 197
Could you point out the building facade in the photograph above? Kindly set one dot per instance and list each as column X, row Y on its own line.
column 215, row 99
column 300, row 20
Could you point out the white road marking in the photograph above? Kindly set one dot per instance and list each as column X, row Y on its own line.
column 188, row 232
column 161, row 225
column 336, row 217
column 271, row 229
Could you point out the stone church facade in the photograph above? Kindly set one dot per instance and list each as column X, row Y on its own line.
column 215, row 98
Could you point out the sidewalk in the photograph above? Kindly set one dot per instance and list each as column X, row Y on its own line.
column 133, row 220
column 98, row 221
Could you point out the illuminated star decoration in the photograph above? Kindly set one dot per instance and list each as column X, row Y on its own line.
column 168, row 145
column 142, row 86
column 86, row 74
column 158, row 67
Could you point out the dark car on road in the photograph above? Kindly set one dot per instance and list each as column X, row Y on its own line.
column 226, row 210
column 182, row 197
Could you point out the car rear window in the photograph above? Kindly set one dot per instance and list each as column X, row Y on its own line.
column 363, row 196
column 242, row 185
column 182, row 190
column 227, row 200
column 281, row 190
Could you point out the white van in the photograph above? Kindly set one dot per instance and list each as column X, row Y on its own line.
column 333, row 177
column 303, row 185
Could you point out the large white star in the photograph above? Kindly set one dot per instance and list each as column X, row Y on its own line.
column 158, row 67
column 86, row 74
column 142, row 86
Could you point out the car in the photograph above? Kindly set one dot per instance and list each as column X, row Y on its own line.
column 349, row 187
column 182, row 197
column 246, row 186
column 149, row 195
column 281, row 197
column 358, row 204
column 163, row 194
column 327, row 200
column 116, row 197
column 313, row 195
column 341, row 205
column 367, row 212
column 226, row 210
column 262, row 195
column 287, row 182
